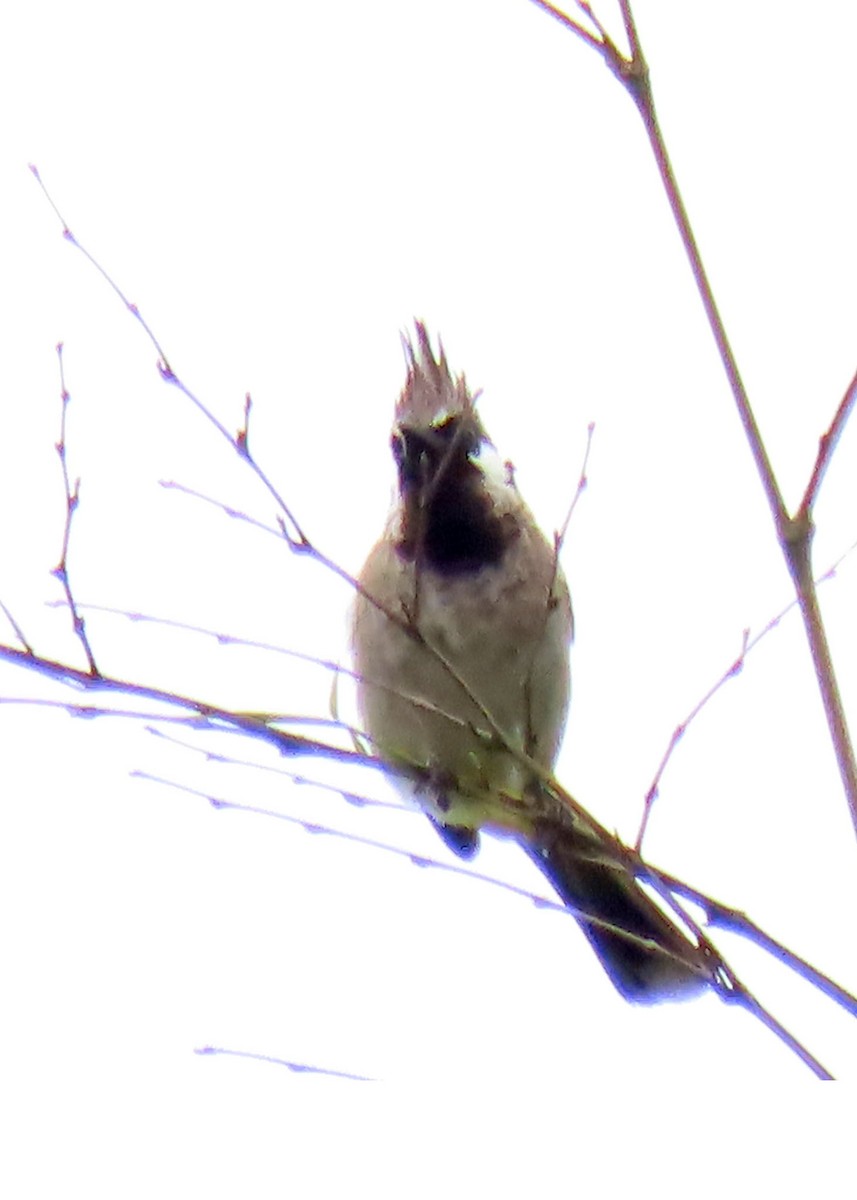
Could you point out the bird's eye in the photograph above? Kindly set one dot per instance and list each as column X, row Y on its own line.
column 461, row 434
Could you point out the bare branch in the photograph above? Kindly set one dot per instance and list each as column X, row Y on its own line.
column 826, row 448
column 579, row 490
column 72, row 499
column 630, row 29
column 793, row 533
column 723, row 979
column 722, row 916
column 680, row 729
column 19, row 633
column 197, row 713
column 222, row 638
column 297, row 1067
column 204, row 716
column 799, row 559
column 735, row 668
column 355, row 799
column 567, row 22
column 234, row 514
column 755, row 1009
column 238, row 442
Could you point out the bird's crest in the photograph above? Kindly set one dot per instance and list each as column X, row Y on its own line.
column 431, row 393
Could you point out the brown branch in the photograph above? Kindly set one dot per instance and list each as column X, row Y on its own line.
column 826, row 448
column 799, row 559
column 642, row 95
column 568, row 23
column 793, row 533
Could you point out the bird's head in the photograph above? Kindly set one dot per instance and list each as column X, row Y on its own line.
column 436, row 425
column 454, row 492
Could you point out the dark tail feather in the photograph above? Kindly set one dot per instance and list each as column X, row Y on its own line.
column 595, row 886
column 461, row 841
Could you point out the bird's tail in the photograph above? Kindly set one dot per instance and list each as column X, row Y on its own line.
column 657, row 961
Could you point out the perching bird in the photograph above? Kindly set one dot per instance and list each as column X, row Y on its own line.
column 461, row 636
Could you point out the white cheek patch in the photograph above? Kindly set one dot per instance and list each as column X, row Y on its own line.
column 498, row 473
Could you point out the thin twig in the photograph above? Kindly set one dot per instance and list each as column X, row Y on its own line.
column 826, row 447
column 223, row 639
column 72, row 499
column 751, row 1005
column 19, row 633
column 315, row 827
column 579, row 490
column 292, row 530
column 680, row 730
column 567, row 22
column 298, row 1068
column 234, row 514
column 243, row 435
column 354, row 799
column 747, row 644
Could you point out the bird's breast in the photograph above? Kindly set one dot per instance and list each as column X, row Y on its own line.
column 492, row 639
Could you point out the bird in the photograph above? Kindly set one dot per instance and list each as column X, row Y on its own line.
column 461, row 632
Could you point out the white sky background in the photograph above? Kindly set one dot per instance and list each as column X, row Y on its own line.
column 280, row 193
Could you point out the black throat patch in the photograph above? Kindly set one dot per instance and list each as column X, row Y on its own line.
column 449, row 522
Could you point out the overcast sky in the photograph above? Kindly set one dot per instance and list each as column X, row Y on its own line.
column 281, row 193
